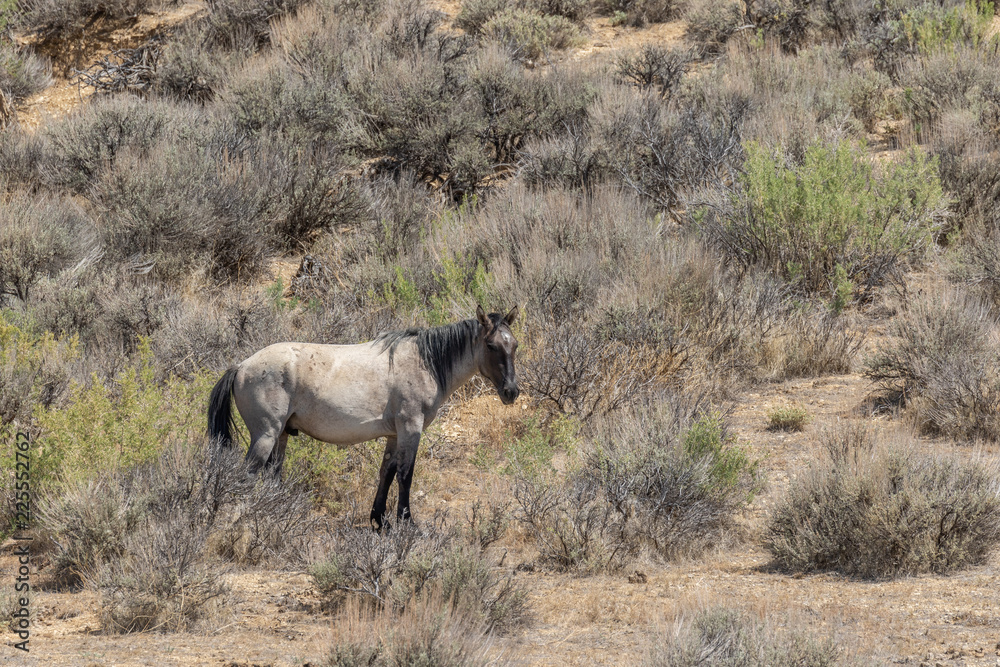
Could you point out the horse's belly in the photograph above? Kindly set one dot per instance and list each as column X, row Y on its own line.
column 339, row 428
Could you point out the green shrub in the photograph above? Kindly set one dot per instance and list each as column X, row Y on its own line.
column 834, row 210
column 115, row 424
column 788, row 418
column 529, row 452
column 34, row 369
column 889, row 514
column 927, row 27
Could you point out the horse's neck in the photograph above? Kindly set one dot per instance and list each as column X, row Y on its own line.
column 462, row 372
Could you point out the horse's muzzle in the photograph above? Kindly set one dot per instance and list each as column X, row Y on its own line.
column 509, row 394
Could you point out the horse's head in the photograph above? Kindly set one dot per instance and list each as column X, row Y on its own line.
column 497, row 348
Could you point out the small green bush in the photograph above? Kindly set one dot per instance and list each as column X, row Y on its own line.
column 788, row 418
column 34, row 369
column 529, row 452
column 888, row 514
column 834, row 210
column 928, row 28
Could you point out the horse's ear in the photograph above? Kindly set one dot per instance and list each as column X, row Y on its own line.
column 511, row 317
column 481, row 316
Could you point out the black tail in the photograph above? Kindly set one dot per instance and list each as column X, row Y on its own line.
column 221, row 421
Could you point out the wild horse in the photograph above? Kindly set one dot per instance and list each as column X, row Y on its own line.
column 390, row 387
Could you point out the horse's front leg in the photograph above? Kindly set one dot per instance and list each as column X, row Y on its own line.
column 385, row 474
column 407, row 461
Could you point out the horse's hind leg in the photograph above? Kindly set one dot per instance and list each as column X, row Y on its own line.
column 262, row 443
column 277, row 457
column 385, row 475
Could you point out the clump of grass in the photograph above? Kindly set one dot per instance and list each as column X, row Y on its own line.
column 427, row 632
column 788, row 418
column 887, row 513
column 727, row 637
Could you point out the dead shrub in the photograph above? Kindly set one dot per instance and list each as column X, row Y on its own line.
column 711, row 24
column 268, row 522
column 638, row 13
column 84, row 145
column 244, row 24
column 160, row 581
column 941, row 361
column 56, row 16
column 144, row 536
column 578, row 373
column 571, row 526
column 654, row 67
column 888, row 513
column 88, row 522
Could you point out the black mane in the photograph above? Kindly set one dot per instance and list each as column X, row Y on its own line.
column 440, row 347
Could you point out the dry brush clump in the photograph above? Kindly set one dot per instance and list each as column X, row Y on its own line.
column 723, row 636
column 665, row 477
column 427, row 632
column 411, row 566
column 941, row 362
column 53, row 17
column 155, row 540
column 877, row 509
